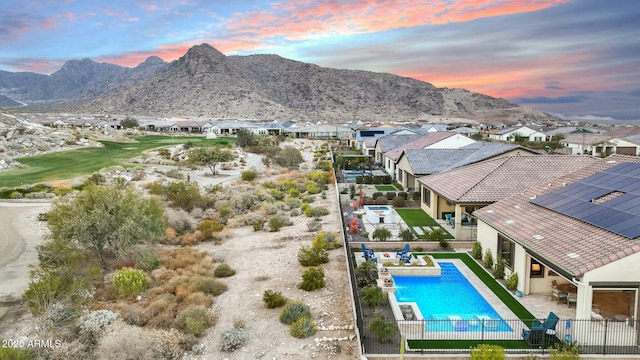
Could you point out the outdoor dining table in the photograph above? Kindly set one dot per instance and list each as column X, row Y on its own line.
column 568, row 288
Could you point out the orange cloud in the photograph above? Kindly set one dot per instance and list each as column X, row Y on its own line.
column 296, row 20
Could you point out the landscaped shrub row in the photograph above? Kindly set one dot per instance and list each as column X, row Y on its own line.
column 377, row 179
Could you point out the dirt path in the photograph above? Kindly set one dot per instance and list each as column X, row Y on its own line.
column 20, row 232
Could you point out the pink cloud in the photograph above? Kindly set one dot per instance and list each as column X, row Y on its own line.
column 296, row 20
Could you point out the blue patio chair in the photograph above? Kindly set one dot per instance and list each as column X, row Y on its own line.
column 406, row 258
column 403, row 251
column 368, row 254
column 538, row 332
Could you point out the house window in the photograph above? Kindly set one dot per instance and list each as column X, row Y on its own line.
column 400, row 176
column 389, row 163
column 506, row 250
column 426, row 196
column 537, row 270
column 537, row 138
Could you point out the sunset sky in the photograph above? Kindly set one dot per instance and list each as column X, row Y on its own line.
column 574, row 57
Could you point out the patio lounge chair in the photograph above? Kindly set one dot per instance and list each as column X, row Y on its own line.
column 541, row 332
column 406, row 258
column 571, row 298
column 458, row 323
column 488, row 322
column 403, row 251
column 368, row 254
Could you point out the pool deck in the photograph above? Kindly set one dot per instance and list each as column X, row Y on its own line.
column 538, row 304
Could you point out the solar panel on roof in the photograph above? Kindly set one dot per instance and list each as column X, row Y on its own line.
column 629, row 201
column 618, row 214
column 624, row 225
column 632, row 233
column 633, row 211
column 609, row 221
column 585, row 209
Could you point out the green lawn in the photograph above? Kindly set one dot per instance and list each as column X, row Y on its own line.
column 385, row 188
column 419, row 218
column 73, row 163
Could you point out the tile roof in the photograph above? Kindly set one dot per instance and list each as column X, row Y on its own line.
column 419, row 143
column 431, row 161
column 590, row 139
column 570, row 244
column 495, row 179
column 391, row 141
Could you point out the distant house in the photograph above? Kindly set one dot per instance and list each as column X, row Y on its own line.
column 520, row 132
column 616, row 141
column 322, row 131
column 434, row 127
column 433, row 140
column 580, row 230
column 415, row 163
column 457, row 193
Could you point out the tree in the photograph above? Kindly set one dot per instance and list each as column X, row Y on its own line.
column 381, row 234
column 406, row 235
column 107, row 220
column 289, row 156
column 245, row 137
column 129, row 123
column 209, row 156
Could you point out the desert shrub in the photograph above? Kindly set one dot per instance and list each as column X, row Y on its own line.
column 161, row 312
column 487, row 261
column 209, row 285
column 130, row 282
column 383, row 330
column 444, row 243
column 303, row 327
column 316, row 211
column 194, row 320
column 197, row 298
column 224, row 270
column 398, row 202
column 477, row 251
column 312, row 188
column 258, row 225
column 275, row 223
column 381, row 234
column 11, row 353
column 293, row 311
column 488, row 352
column 381, row 200
column 374, row 296
column 391, row 195
column 498, row 269
column 512, row 281
column 320, row 177
column 129, row 342
column 308, row 199
column 403, row 195
column 312, row 279
column 98, row 319
column 270, row 209
column 295, row 213
column 314, row 225
column 209, row 227
column 174, row 174
column 326, row 240
column 312, row 256
column 249, row 175
column 292, row 202
column 233, row 339
column 273, row 299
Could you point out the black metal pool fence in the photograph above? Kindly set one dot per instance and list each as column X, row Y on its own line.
column 458, row 336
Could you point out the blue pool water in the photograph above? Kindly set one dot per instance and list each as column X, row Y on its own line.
column 449, row 298
column 374, row 208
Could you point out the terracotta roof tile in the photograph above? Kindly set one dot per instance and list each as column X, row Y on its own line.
column 572, row 245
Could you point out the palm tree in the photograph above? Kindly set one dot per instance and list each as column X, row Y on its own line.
column 373, row 296
column 406, row 235
column 367, row 273
column 381, row 234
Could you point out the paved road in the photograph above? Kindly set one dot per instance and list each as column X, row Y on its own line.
column 20, row 232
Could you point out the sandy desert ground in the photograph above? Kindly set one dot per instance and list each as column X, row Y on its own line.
column 263, row 260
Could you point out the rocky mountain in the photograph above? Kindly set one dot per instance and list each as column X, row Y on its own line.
column 206, row 83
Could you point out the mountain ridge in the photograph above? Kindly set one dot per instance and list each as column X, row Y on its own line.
column 206, row 83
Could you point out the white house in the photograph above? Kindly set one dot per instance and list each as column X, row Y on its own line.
column 513, row 133
column 583, row 231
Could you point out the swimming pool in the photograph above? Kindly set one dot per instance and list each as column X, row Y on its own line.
column 450, row 299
